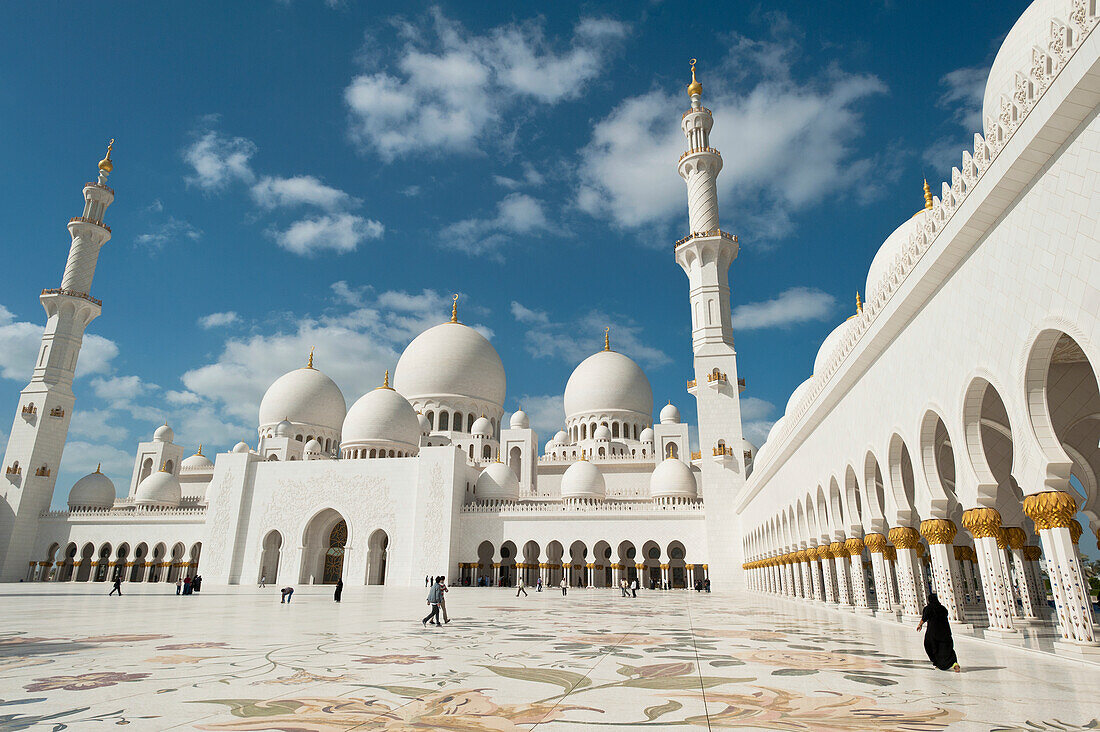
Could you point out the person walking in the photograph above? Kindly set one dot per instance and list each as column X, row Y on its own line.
column 179, row 586
column 339, row 589
column 427, row 581
column 443, row 601
column 435, row 597
column 187, row 585
column 263, row 581
column 538, row 584
column 196, row 584
column 622, row 586
column 564, row 586
column 634, row 587
column 520, row 587
column 938, row 643
column 116, row 587
column 287, row 593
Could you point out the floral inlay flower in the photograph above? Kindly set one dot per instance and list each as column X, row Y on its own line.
column 134, row 638
column 396, row 658
column 184, row 646
column 664, row 670
column 828, row 712
column 616, row 639
column 467, row 710
column 757, row 635
column 174, row 658
column 812, row 660
column 82, row 682
column 20, row 639
column 301, row 676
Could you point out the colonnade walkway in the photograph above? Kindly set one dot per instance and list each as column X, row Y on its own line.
column 236, row 659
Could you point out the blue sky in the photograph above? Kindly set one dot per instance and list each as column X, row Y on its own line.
column 304, row 173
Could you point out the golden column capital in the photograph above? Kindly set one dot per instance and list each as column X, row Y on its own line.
column 1002, row 540
column 904, row 537
column 960, row 553
column 1015, row 537
column 823, row 551
column 854, row 546
column 939, row 531
column 982, row 523
column 1033, row 553
column 1050, row 509
column 876, row 543
column 1075, row 530
column 921, row 549
column 837, row 550
column 891, row 553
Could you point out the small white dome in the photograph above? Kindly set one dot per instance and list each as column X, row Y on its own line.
column 582, row 480
column 313, row 447
column 197, row 463
column 896, row 243
column 602, row 433
column 748, row 447
column 520, row 421
column 797, row 394
column 560, row 438
column 608, row 382
column 164, row 433
column 241, row 446
column 284, row 428
column 672, row 478
column 646, row 436
column 159, row 489
column 381, row 416
column 94, row 490
column 482, row 427
column 425, row 425
column 451, row 360
column 670, row 414
column 497, row 481
column 830, row 345
column 304, row 396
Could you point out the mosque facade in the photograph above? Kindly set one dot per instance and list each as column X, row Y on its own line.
column 420, row 477
column 948, row 432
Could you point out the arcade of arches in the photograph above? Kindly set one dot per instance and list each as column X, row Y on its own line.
column 163, row 562
column 603, row 564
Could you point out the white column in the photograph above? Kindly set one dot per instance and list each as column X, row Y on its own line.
column 910, row 591
column 859, row 580
column 940, row 534
column 984, row 524
column 876, row 544
column 827, row 582
column 840, row 563
column 1016, row 538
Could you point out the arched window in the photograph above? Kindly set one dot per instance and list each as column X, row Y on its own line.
column 272, row 457
column 672, row 451
column 584, row 432
column 373, row 453
column 431, row 419
column 169, row 465
column 602, row 452
column 298, row 438
column 456, row 420
column 515, row 461
column 444, row 421
column 471, row 452
column 470, row 422
column 487, row 452
column 146, row 468
column 615, row 429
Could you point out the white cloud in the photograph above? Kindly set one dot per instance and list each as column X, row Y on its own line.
column 578, row 339
column 81, row 458
column 217, row 160
column 95, row 424
column 963, row 94
column 116, row 390
column 792, row 306
column 96, row 355
column 270, row 192
column 411, row 191
column 517, row 213
column 759, row 109
column 755, row 419
column 169, row 230
column 339, row 232
column 450, row 88
column 182, row 397
column 20, row 341
column 546, row 412
column 218, row 320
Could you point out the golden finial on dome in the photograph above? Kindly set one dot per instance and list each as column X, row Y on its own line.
column 200, row 449
column 694, row 87
column 607, row 338
column 164, row 467
column 105, row 164
column 309, row 363
column 98, row 466
column 859, row 305
column 386, row 380
column 927, row 196
column 454, row 309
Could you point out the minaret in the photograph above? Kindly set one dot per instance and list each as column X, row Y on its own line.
column 45, row 407
column 705, row 256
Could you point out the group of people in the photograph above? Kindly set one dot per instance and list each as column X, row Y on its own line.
column 188, row 585
column 437, row 600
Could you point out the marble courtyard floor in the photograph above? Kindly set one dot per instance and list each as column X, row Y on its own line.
column 235, row 659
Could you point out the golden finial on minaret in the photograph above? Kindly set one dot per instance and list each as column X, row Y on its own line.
column 694, row 87
column 927, row 196
column 454, row 309
column 607, row 338
column 105, row 164
column 859, row 305
column 309, row 363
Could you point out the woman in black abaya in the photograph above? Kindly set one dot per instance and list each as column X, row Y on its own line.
column 937, row 639
column 339, row 590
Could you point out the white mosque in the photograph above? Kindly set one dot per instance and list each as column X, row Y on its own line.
column 946, row 436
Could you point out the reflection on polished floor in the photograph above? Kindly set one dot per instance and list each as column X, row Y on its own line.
column 235, row 659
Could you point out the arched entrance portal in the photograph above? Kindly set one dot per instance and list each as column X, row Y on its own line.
column 324, row 548
column 377, row 547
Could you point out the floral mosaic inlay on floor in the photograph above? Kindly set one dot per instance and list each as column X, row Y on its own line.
column 235, row 659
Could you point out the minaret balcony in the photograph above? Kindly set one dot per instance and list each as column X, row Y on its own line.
column 72, row 293
column 13, row 470
column 696, row 150
column 695, row 111
column 43, row 472
column 30, row 409
column 57, row 412
column 697, row 455
column 86, row 220
column 707, row 235
column 93, row 184
column 692, row 386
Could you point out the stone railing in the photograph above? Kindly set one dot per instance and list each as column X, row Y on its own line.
column 86, row 220
column 589, row 506
column 72, row 293
column 132, row 511
column 551, row 459
column 100, row 185
column 1015, row 104
column 700, row 109
column 705, row 234
column 694, row 150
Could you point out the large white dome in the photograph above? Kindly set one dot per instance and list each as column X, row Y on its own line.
column 830, row 344
column 197, row 463
column 497, row 481
column 94, row 490
column 607, row 382
column 304, row 396
column 796, row 397
column 672, row 478
column 1031, row 29
column 582, row 480
column 670, row 414
column 381, row 415
column 451, row 359
column 894, row 245
column 159, row 489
